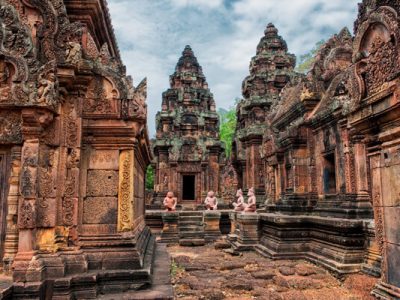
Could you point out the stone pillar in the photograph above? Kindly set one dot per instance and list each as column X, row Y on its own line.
column 372, row 264
column 232, row 236
column 211, row 228
column 385, row 171
column 361, row 173
column 247, row 231
column 125, row 191
column 169, row 233
column 11, row 240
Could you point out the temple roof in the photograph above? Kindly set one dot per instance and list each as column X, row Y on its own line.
column 95, row 14
column 188, row 62
column 271, row 40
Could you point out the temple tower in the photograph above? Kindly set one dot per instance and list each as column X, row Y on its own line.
column 187, row 149
column 270, row 69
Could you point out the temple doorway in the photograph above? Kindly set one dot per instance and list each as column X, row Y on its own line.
column 188, row 187
column 329, row 174
column 3, row 199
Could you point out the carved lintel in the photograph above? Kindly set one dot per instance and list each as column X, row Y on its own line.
column 34, row 121
column 125, row 193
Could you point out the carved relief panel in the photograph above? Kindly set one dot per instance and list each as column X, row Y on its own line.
column 101, row 98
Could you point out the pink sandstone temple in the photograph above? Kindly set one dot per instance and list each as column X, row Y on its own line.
column 314, row 172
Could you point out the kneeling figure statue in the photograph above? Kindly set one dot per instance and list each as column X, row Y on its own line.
column 211, row 201
column 239, row 205
column 251, row 201
column 170, row 202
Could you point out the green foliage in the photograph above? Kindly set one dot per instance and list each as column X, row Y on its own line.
column 176, row 269
column 149, row 178
column 306, row 60
column 227, row 127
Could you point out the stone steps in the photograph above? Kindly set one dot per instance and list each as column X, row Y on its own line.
column 190, row 218
column 191, row 228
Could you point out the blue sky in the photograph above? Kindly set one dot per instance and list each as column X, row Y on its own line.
column 223, row 34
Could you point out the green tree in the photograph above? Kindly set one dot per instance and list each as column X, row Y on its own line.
column 306, row 60
column 227, row 127
column 149, row 178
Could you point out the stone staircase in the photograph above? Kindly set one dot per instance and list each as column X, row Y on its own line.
column 191, row 228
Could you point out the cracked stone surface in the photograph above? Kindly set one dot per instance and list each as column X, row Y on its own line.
column 209, row 273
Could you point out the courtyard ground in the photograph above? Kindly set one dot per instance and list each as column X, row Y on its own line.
column 209, row 273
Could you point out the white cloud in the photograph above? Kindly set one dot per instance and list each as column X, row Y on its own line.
column 223, row 34
column 201, row 3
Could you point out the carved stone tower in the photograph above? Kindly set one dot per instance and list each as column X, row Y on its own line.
column 187, row 149
column 270, row 69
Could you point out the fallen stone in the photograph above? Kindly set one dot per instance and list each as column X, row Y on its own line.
column 232, row 265
column 304, row 283
column 265, row 294
column 263, row 274
column 182, row 260
column 195, row 283
column 293, row 295
column 239, row 285
column 232, row 252
column 280, row 281
column 195, row 267
column 287, row 271
column 212, row 294
column 222, row 245
column 305, row 270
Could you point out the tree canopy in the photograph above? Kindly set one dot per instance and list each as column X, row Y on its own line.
column 306, row 60
column 149, row 178
column 227, row 127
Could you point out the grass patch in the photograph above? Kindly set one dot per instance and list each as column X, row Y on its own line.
column 176, row 269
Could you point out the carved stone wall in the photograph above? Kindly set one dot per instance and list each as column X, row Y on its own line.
column 69, row 116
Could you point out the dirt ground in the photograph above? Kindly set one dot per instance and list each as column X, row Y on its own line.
column 209, row 273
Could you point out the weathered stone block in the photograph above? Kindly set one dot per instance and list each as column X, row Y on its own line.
column 102, row 183
column 104, row 159
column 100, row 210
column 393, row 263
column 392, row 222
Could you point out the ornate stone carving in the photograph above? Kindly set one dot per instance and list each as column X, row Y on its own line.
column 125, row 192
column 10, row 127
column 100, row 96
column 26, row 215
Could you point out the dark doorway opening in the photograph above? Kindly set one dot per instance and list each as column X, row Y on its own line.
column 330, row 174
column 188, row 187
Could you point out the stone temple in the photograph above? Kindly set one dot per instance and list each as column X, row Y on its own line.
column 188, row 152
column 317, row 154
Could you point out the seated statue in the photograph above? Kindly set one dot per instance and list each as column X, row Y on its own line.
column 251, row 201
column 170, row 202
column 211, row 201
column 239, row 204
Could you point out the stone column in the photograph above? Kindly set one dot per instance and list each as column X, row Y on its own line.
column 248, row 230
column 232, row 236
column 125, row 191
column 11, row 240
column 211, row 228
column 360, row 168
column 27, row 210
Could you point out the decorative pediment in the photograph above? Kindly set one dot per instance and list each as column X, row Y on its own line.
column 101, row 98
column 376, row 51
